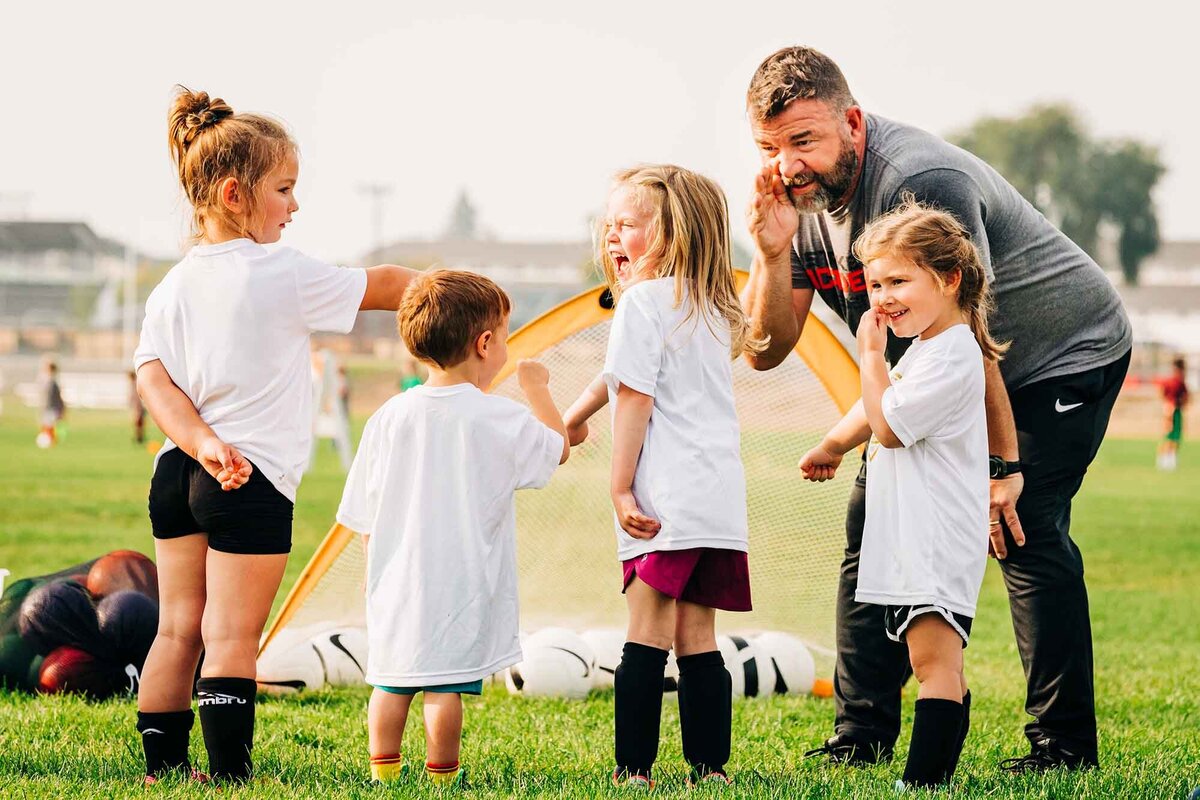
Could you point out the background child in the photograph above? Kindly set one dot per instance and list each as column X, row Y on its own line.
column 1175, row 399
column 677, row 486
column 431, row 490
column 223, row 368
column 53, row 407
column 925, row 542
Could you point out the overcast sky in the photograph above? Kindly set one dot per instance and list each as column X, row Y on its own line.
column 532, row 106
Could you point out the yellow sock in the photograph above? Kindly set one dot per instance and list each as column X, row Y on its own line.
column 442, row 774
column 386, row 769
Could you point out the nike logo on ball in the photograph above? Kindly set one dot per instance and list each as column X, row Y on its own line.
column 1060, row 408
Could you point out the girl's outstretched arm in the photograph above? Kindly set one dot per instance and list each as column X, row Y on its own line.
column 629, row 433
column 821, row 463
column 385, row 287
column 592, row 399
column 173, row 412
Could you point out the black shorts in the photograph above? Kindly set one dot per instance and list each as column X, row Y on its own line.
column 896, row 620
column 184, row 499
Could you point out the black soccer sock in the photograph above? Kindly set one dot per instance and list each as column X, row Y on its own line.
column 962, row 735
column 936, row 728
column 639, row 691
column 227, row 719
column 705, row 711
column 165, row 740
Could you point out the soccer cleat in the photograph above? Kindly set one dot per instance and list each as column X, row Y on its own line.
column 714, row 777
column 624, row 779
column 1048, row 754
column 841, row 749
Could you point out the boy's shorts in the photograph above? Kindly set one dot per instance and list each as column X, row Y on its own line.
column 474, row 687
column 705, row 576
column 1175, row 434
column 896, row 620
column 254, row 519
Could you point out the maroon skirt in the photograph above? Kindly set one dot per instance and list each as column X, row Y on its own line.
column 705, row 576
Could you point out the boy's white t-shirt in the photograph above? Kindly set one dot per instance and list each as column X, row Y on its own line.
column 231, row 324
column 432, row 485
column 689, row 475
column 925, row 540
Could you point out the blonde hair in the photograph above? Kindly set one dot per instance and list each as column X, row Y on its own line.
column 689, row 241
column 937, row 242
column 445, row 310
column 209, row 143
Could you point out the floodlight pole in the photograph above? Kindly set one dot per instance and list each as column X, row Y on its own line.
column 377, row 193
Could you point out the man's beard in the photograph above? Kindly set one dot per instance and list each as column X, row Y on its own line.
column 832, row 186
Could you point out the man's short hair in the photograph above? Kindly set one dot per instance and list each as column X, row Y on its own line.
column 445, row 310
column 796, row 72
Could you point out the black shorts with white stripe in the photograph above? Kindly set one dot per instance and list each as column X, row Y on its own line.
column 896, row 620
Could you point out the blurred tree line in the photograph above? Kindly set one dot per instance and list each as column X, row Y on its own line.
column 1079, row 182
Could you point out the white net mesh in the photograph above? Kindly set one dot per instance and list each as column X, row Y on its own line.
column 569, row 575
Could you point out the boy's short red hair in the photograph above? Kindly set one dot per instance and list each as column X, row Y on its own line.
column 445, row 310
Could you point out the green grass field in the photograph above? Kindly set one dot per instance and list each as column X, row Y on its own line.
column 1138, row 529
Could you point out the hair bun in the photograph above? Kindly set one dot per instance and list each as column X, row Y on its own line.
column 199, row 111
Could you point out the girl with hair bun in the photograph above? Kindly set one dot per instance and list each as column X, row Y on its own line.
column 223, row 368
column 925, row 540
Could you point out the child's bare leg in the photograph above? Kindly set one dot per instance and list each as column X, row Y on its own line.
column 639, row 677
column 387, row 713
column 240, row 589
column 935, row 650
column 443, row 735
column 165, row 696
column 651, row 616
column 705, row 698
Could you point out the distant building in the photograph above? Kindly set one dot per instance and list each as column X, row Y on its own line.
column 52, row 272
column 1175, row 263
column 1165, row 306
column 536, row 275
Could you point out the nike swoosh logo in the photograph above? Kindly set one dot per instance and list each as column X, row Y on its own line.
column 1060, row 408
column 336, row 641
column 152, row 730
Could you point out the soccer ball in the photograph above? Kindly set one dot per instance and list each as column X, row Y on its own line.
column 43, row 440
column 792, row 664
column 285, row 668
column 343, row 654
column 749, row 673
column 608, row 645
column 557, row 663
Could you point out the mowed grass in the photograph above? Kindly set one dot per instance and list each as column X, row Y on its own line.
column 1138, row 530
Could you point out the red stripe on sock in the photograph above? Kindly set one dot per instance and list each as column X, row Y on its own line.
column 391, row 758
column 453, row 765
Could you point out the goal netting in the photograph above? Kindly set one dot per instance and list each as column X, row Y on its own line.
column 569, row 574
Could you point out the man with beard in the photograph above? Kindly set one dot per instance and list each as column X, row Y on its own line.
column 1049, row 399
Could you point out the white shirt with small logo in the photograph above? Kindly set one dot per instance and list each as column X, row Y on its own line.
column 231, row 325
column 433, row 486
column 925, row 540
column 689, row 474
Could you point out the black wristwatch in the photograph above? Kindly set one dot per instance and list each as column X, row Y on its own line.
column 999, row 468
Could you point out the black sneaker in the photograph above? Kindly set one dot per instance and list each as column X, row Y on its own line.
column 1048, row 754
column 842, row 749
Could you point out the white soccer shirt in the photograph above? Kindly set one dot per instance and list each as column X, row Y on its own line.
column 432, row 484
column 689, row 475
column 231, row 324
column 925, row 539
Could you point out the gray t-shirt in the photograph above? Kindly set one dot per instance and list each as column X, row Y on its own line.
column 1053, row 303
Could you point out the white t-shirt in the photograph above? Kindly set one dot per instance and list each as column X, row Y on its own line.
column 925, row 540
column 432, row 484
column 689, row 475
column 231, row 324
